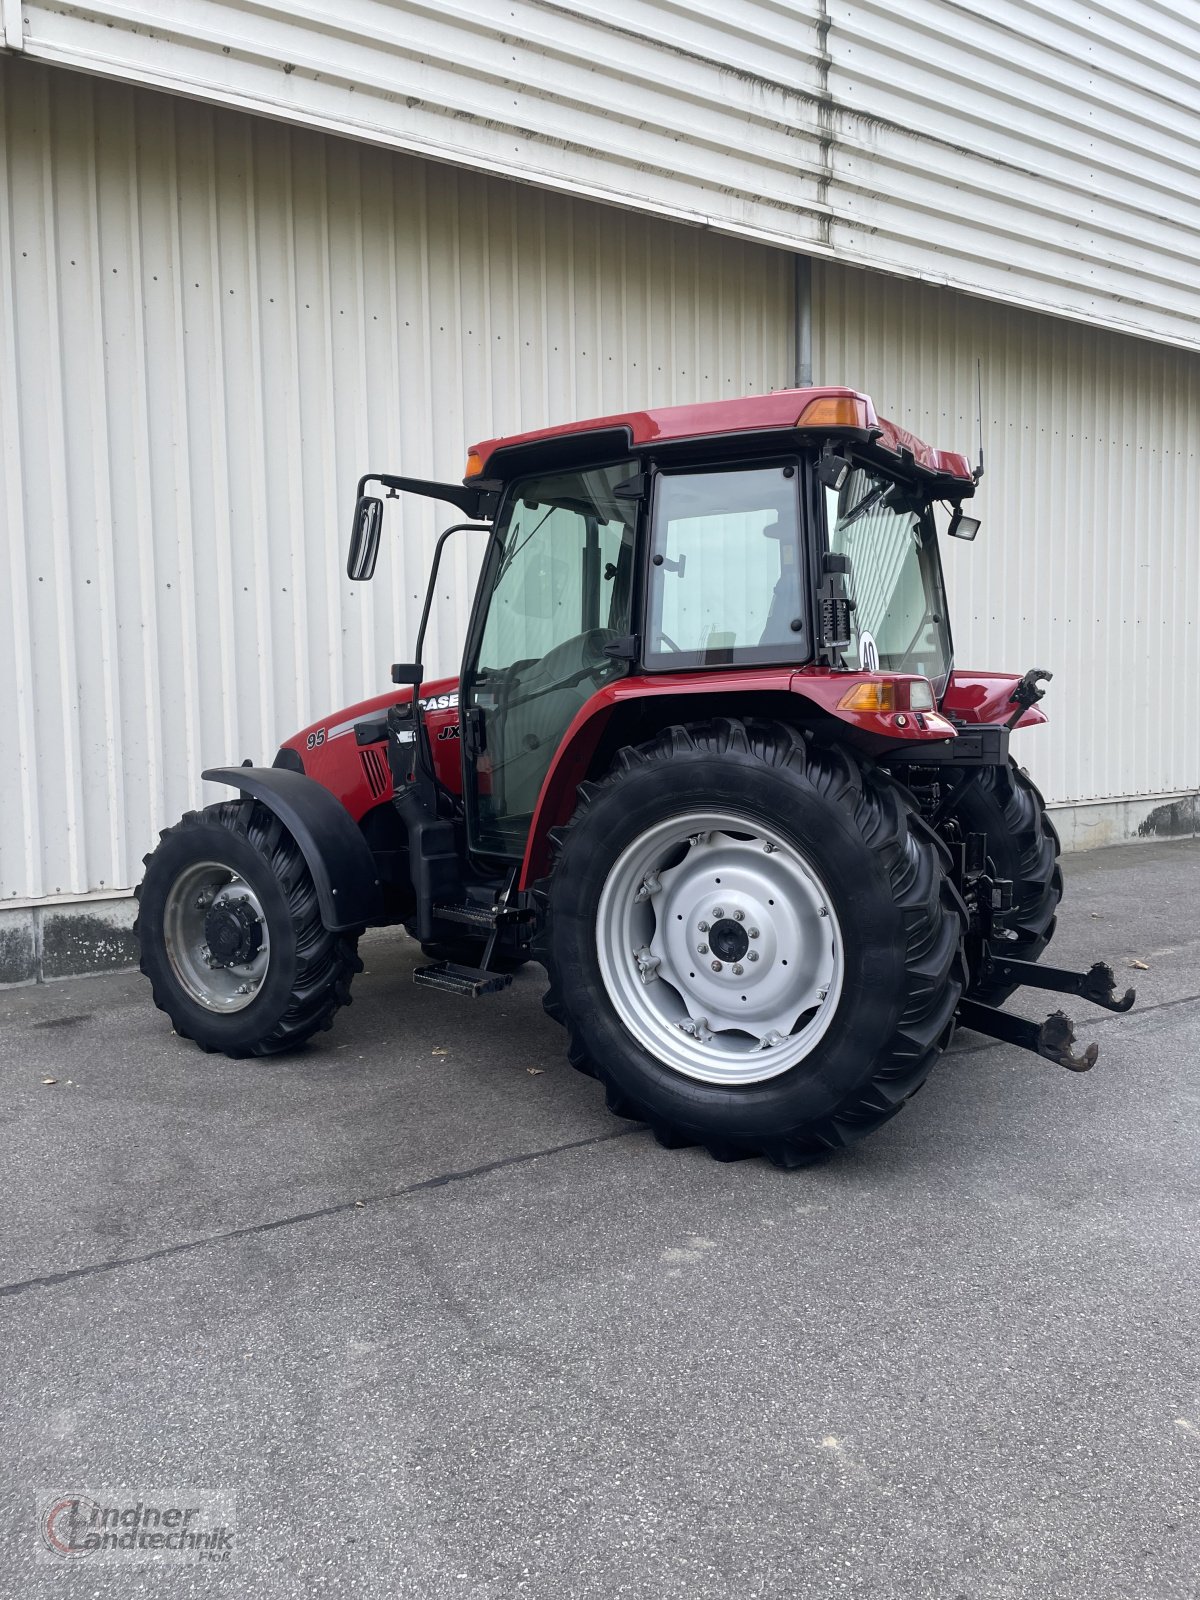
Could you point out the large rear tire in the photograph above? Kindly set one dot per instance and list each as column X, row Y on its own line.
column 231, row 934
column 832, row 941
column 1022, row 845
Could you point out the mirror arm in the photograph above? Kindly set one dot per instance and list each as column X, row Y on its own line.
column 473, row 500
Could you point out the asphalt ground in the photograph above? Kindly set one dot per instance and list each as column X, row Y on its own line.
column 435, row 1324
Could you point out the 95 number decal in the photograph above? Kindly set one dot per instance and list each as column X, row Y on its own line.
column 315, row 739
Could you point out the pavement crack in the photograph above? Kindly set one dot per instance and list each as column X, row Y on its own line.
column 50, row 1280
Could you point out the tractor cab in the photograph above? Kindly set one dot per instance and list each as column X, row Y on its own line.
column 797, row 534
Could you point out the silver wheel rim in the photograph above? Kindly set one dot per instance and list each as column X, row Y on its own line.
column 761, row 1001
column 190, row 899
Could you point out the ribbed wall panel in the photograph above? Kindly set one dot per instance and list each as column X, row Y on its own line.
column 1041, row 152
column 210, row 325
column 1088, row 561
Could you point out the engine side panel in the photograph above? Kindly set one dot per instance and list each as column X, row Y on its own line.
column 359, row 775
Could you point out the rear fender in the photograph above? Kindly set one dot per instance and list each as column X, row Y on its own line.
column 809, row 697
column 611, row 714
column 337, row 855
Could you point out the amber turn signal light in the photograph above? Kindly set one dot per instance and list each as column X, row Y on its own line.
column 474, row 465
column 833, row 411
column 874, row 695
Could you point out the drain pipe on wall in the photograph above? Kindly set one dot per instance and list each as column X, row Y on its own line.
column 12, row 34
column 803, row 315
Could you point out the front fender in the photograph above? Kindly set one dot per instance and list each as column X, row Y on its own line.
column 331, row 842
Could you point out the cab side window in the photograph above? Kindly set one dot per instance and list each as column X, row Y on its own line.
column 725, row 575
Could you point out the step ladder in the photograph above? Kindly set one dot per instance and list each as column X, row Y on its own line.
column 470, row 982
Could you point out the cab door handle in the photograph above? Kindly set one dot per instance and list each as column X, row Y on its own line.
column 474, row 731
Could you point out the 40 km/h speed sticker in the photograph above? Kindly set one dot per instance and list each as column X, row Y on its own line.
column 868, row 653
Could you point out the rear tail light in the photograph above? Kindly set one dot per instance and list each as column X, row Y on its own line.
column 920, row 695
column 889, row 694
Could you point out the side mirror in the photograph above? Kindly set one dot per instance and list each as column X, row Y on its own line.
column 364, row 538
column 962, row 527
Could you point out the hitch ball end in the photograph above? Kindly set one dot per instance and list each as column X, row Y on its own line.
column 1055, row 1039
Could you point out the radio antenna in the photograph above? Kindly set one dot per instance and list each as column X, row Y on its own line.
column 978, row 473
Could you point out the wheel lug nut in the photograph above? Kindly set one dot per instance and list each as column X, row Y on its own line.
column 717, row 912
column 753, row 956
column 737, row 969
column 753, row 932
column 739, row 916
column 703, row 926
column 716, row 966
column 701, row 949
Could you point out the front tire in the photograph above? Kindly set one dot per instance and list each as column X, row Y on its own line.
column 843, row 885
column 231, row 935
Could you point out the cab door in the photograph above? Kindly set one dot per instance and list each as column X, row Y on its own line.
column 556, row 594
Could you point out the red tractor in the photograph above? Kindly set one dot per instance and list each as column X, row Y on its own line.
column 708, row 760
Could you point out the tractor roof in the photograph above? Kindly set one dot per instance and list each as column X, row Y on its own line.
column 821, row 410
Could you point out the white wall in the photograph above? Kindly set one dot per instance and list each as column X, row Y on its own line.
column 210, row 325
column 1041, row 152
column 1088, row 562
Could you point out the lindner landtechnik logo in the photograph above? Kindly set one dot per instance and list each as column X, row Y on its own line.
column 197, row 1526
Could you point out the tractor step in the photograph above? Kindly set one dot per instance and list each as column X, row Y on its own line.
column 469, row 982
column 469, row 915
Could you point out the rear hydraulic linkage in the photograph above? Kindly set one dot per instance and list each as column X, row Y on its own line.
column 1098, row 984
column 1054, row 1038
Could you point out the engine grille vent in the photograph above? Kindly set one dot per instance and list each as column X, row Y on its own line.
column 375, row 769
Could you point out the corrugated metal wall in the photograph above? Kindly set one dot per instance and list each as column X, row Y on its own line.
column 1042, row 152
column 210, row 324
column 1088, row 562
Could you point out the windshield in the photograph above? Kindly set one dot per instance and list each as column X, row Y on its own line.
column 898, row 621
